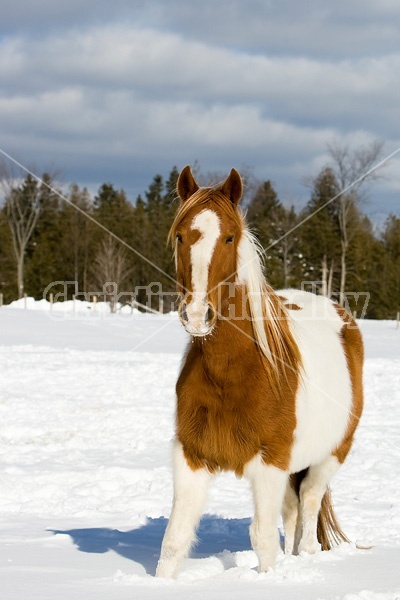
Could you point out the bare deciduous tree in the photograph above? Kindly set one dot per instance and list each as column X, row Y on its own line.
column 22, row 203
column 111, row 270
column 352, row 169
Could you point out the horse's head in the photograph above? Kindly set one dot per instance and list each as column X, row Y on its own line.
column 206, row 232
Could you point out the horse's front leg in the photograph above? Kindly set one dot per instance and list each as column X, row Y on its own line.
column 190, row 494
column 269, row 485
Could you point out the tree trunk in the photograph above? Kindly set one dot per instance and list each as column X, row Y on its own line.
column 286, row 265
column 324, row 276
column 343, row 272
column 330, row 279
column 20, row 275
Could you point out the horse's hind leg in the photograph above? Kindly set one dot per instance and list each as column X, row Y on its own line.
column 291, row 520
column 312, row 490
column 190, row 494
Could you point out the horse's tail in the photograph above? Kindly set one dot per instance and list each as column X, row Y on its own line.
column 329, row 532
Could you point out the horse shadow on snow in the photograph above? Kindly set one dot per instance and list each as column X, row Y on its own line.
column 142, row 545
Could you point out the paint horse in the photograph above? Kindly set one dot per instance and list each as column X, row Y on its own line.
column 270, row 388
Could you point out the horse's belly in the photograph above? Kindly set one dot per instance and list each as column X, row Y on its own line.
column 324, row 398
column 320, row 428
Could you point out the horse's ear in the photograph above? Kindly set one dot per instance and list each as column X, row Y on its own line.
column 232, row 187
column 186, row 185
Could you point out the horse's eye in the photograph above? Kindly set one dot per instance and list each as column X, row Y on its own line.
column 229, row 239
column 179, row 238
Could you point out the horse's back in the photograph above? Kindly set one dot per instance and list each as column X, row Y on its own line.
column 329, row 397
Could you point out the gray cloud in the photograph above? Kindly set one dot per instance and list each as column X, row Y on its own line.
column 155, row 84
column 334, row 30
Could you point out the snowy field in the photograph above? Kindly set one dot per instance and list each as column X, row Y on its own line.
column 86, row 421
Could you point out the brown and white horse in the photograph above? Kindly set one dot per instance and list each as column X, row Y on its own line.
column 270, row 388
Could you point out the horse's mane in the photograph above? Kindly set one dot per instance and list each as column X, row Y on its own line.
column 270, row 319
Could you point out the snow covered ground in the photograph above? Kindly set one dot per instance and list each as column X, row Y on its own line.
column 86, row 421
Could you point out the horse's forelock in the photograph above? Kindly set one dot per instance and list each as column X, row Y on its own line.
column 200, row 198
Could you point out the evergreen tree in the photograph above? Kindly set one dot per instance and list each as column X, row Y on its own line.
column 391, row 245
column 272, row 222
column 391, row 238
column 320, row 235
column 141, row 241
column 366, row 262
column 170, row 195
column 77, row 239
column 56, row 242
column 113, row 210
column 289, row 249
column 7, row 261
column 155, row 196
column 160, row 211
column 43, row 250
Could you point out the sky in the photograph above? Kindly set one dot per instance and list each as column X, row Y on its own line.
column 120, row 91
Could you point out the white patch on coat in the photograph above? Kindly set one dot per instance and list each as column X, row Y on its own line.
column 312, row 490
column 324, row 398
column 207, row 222
column 201, row 252
column 190, row 494
column 268, row 485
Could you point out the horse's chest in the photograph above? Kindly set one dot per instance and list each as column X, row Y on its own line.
column 218, row 424
column 213, row 421
column 227, row 416
column 216, row 435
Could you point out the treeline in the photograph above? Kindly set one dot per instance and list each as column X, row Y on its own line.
column 329, row 247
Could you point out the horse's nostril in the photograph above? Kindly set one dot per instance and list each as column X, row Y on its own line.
column 184, row 313
column 209, row 315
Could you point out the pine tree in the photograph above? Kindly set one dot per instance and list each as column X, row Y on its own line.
column 160, row 210
column 366, row 262
column 272, row 223
column 43, row 250
column 113, row 210
column 141, row 241
column 77, row 239
column 320, row 235
column 391, row 245
column 7, row 261
column 170, row 194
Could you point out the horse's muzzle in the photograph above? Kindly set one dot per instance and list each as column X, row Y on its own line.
column 197, row 317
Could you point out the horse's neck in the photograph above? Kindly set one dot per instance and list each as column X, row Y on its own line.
column 232, row 336
column 247, row 327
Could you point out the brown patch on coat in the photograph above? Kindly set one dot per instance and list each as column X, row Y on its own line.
column 354, row 351
column 289, row 305
column 232, row 402
column 229, row 408
column 292, row 307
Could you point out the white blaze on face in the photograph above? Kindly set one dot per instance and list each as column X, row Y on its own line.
column 207, row 222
